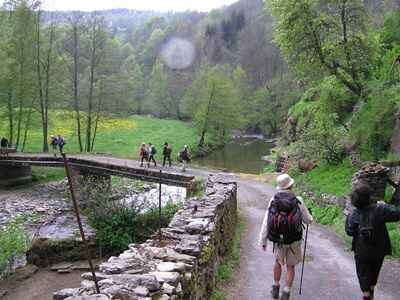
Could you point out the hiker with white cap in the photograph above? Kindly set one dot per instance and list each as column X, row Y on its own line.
column 283, row 226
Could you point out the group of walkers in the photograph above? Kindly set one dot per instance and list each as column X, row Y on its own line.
column 147, row 153
column 57, row 142
column 283, row 227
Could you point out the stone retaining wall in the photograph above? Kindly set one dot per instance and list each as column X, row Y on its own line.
column 183, row 264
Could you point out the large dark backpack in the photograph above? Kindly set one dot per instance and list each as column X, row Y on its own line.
column 366, row 239
column 285, row 222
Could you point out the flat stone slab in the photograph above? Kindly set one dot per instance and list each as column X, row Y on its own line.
column 60, row 266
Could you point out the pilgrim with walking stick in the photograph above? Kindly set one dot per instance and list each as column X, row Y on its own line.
column 283, row 226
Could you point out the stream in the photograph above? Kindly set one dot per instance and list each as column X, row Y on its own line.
column 241, row 155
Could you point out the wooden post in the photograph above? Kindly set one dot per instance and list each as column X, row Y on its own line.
column 78, row 218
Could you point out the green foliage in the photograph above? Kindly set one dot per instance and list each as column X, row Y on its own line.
column 322, row 140
column 159, row 101
column 13, row 242
column 334, row 98
column 268, row 107
column 329, row 215
column 310, row 35
column 373, row 125
column 213, row 103
column 394, row 234
column 388, row 71
column 42, row 175
column 118, row 225
column 390, row 35
column 331, row 179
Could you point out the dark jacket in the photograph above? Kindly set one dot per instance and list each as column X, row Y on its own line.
column 382, row 214
column 167, row 150
column 4, row 142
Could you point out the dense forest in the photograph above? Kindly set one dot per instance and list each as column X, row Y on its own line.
column 324, row 74
column 347, row 56
column 219, row 70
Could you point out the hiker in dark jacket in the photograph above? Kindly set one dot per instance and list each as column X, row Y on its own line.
column 61, row 143
column 4, row 146
column 167, row 151
column 54, row 144
column 184, row 157
column 371, row 242
column 152, row 152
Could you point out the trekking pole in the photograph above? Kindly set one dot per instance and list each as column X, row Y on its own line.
column 78, row 218
column 304, row 258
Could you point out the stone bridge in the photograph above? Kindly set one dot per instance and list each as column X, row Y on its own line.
column 16, row 169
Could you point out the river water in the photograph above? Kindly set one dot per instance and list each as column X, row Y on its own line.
column 241, row 155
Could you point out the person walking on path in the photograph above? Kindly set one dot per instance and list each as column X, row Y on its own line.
column 143, row 154
column 152, row 153
column 4, row 146
column 184, row 157
column 54, row 144
column 283, row 226
column 167, row 151
column 371, row 242
column 61, row 143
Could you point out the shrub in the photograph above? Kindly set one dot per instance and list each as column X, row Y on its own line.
column 323, row 140
column 119, row 223
column 373, row 125
column 14, row 242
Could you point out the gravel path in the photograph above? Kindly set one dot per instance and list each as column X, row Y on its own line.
column 329, row 271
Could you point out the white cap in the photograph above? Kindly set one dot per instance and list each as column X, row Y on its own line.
column 284, row 182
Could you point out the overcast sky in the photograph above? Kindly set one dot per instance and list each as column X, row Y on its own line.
column 157, row 5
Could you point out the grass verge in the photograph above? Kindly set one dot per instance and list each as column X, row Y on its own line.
column 336, row 180
column 227, row 267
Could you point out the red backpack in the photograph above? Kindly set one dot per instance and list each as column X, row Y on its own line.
column 285, row 222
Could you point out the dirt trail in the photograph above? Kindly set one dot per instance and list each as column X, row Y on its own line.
column 40, row 286
column 329, row 272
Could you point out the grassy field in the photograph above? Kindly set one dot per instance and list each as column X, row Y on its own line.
column 119, row 137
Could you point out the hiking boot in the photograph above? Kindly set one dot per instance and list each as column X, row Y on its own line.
column 275, row 291
column 285, row 295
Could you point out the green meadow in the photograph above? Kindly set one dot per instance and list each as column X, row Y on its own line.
column 115, row 136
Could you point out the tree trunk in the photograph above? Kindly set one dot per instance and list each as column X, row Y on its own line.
column 76, row 86
column 96, row 124
column 10, row 116
column 47, row 89
column 91, row 88
column 45, row 147
column 27, row 125
column 203, row 132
